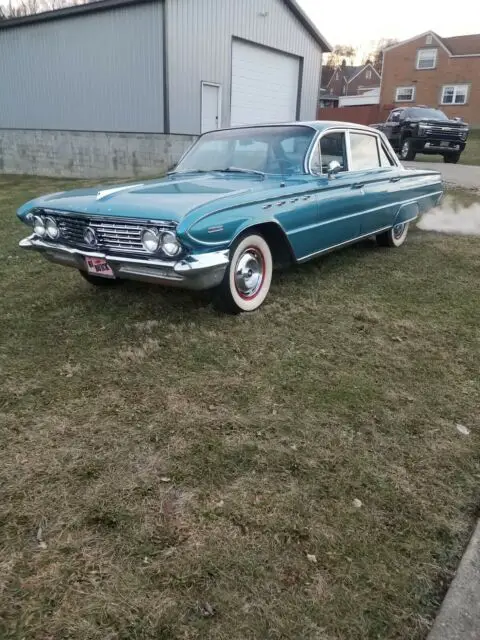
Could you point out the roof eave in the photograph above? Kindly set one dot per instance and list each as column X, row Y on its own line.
column 309, row 26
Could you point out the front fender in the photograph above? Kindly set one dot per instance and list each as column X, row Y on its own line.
column 221, row 228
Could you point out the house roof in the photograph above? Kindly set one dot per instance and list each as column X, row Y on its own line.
column 468, row 45
column 103, row 5
column 463, row 45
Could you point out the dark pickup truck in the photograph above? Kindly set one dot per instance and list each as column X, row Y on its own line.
column 413, row 130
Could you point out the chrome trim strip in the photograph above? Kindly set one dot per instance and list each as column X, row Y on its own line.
column 361, row 213
column 96, row 217
column 342, row 244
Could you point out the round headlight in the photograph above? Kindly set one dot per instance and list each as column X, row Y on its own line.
column 52, row 228
column 39, row 227
column 170, row 245
column 150, row 240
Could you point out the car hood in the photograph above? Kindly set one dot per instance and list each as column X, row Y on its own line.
column 170, row 198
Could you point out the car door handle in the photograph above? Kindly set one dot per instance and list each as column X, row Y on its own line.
column 358, row 185
column 395, row 179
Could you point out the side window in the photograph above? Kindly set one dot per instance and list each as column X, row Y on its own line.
column 364, row 151
column 331, row 147
column 385, row 160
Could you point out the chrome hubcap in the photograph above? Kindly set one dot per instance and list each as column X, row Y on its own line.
column 398, row 230
column 405, row 149
column 249, row 272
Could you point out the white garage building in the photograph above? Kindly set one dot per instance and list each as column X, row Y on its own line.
column 120, row 87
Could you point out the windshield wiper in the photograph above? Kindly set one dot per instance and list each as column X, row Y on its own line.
column 241, row 170
column 183, row 173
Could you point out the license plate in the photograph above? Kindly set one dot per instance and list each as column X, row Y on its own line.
column 99, row 267
column 444, row 143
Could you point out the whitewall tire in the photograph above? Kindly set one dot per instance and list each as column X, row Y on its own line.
column 395, row 236
column 248, row 276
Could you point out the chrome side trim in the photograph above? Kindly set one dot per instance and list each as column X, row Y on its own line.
column 343, row 244
column 364, row 212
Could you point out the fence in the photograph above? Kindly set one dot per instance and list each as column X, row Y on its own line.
column 361, row 114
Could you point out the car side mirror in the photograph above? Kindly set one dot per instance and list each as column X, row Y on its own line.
column 333, row 168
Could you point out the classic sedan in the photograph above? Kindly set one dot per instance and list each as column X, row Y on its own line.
column 240, row 202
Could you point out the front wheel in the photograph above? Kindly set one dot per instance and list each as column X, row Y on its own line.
column 407, row 152
column 451, row 158
column 248, row 276
column 395, row 236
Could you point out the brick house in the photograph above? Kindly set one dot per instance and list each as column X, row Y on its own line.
column 434, row 71
column 347, row 80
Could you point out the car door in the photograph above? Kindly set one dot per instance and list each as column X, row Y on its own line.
column 337, row 198
column 393, row 127
column 376, row 173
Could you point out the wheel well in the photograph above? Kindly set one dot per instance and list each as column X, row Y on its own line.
column 280, row 247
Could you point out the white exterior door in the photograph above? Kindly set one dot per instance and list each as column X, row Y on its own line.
column 264, row 85
column 211, row 106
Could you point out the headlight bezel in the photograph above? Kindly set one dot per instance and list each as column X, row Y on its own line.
column 155, row 237
column 49, row 221
column 170, row 238
column 39, row 227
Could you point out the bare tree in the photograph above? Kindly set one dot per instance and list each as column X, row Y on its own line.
column 376, row 56
column 342, row 53
column 30, row 7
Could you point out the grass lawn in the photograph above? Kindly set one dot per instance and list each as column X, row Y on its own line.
column 167, row 472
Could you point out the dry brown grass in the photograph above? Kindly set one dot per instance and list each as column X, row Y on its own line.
column 184, row 467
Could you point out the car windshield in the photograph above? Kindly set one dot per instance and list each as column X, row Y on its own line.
column 253, row 150
column 431, row 114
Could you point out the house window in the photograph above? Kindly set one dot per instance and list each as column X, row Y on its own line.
column 426, row 58
column 455, row 94
column 368, row 75
column 405, row 94
column 428, row 39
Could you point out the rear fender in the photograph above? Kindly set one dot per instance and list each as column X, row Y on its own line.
column 407, row 212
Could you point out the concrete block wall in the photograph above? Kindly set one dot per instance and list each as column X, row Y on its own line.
column 89, row 154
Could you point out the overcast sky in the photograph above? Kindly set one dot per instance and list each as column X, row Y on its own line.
column 362, row 23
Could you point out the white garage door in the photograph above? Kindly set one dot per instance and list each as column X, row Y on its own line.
column 264, row 85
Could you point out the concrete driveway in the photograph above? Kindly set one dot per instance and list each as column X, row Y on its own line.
column 457, row 175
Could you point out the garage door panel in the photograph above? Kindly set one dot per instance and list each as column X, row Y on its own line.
column 264, row 85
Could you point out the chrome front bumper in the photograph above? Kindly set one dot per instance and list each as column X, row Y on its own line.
column 197, row 271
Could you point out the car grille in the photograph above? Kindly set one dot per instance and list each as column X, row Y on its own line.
column 448, row 132
column 116, row 236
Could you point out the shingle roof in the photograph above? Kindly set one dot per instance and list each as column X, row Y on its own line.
column 463, row 45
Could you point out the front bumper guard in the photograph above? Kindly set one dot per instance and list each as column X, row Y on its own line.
column 196, row 272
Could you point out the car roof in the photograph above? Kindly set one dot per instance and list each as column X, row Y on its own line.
column 318, row 125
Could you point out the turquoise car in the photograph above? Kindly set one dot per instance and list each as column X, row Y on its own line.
column 240, row 202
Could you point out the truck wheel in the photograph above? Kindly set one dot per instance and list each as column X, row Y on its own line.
column 248, row 276
column 394, row 237
column 407, row 152
column 451, row 158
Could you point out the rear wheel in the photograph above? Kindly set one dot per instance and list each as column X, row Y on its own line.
column 98, row 281
column 451, row 158
column 394, row 237
column 248, row 276
column 407, row 152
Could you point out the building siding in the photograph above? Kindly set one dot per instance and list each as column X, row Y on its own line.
column 199, row 44
column 399, row 71
column 95, row 72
